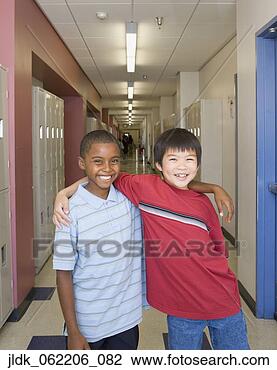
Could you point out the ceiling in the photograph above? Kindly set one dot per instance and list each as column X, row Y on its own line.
column 192, row 32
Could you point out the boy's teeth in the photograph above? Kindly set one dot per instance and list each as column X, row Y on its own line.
column 179, row 175
column 105, row 177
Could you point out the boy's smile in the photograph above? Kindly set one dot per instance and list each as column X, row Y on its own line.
column 179, row 167
column 102, row 166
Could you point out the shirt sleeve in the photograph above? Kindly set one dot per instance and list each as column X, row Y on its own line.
column 216, row 234
column 65, row 247
column 131, row 186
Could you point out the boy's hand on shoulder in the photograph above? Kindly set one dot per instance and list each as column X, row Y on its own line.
column 223, row 199
column 77, row 342
column 61, row 210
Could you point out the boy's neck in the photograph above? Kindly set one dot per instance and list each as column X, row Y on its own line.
column 175, row 187
column 101, row 193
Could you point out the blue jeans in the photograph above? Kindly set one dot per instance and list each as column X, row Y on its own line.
column 227, row 333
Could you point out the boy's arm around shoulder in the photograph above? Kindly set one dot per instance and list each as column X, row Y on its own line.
column 133, row 186
column 215, row 232
column 222, row 198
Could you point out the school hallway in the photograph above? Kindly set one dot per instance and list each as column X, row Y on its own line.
column 42, row 324
column 135, row 69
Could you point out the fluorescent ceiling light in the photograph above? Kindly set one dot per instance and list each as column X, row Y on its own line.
column 130, row 90
column 130, row 106
column 131, row 45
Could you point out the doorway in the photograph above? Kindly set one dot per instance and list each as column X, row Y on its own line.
column 266, row 48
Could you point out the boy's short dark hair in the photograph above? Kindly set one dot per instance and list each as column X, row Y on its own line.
column 97, row 136
column 176, row 138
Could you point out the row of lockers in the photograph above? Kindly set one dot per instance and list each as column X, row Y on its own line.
column 48, row 168
column 6, row 292
column 48, row 131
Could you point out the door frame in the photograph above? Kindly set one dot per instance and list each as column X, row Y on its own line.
column 266, row 83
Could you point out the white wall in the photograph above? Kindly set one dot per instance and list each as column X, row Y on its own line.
column 187, row 93
column 251, row 16
column 166, row 108
column 216, row 81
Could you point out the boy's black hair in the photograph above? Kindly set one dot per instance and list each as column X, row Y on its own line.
column 179, row 139
column 97, row 136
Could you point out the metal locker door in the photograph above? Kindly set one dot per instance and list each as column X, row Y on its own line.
column 42, row 130
column 48, row 131
column 58, row 130
column 54, row 131
column 41, row 207
column 49, row 203
column 39, row 150
column 6, row 303
column 4, row 175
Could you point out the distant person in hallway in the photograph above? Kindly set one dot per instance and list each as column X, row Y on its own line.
column 188, row 276
column 100, row 288
column 125, row 142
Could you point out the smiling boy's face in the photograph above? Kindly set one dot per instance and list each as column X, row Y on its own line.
column 102, row 165
column 179, row 167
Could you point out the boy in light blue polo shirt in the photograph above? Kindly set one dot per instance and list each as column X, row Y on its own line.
column 99, row 277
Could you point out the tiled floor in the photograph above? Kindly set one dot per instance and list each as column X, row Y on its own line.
column 45, row 317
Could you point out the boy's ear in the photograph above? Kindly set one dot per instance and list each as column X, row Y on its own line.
column 81, row 163
column 159, row 167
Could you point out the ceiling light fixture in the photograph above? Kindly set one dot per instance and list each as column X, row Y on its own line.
column 102, row 15
column 131, row 45
column 130, row 106
column 159, row 21
column 130, row 90
column 273, row 29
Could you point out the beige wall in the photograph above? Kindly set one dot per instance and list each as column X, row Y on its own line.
column 216, row 81
column 251, row 16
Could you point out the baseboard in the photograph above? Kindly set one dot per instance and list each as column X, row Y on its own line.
column 247, row 298
column 228, row 236
column 19, row 312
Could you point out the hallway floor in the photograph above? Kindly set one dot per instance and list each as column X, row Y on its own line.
column 44, row 318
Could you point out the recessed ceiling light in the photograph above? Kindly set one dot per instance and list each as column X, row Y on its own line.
column 102, row 15
column 145, row 77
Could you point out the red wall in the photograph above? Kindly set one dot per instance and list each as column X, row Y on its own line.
column 74, row 113
column 32, row 33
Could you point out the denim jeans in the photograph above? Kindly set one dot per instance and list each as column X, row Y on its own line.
column 227, row 333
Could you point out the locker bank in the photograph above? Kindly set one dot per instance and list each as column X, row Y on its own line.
column 65, row 70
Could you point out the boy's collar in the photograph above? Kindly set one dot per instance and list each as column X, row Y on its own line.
column 94, row 200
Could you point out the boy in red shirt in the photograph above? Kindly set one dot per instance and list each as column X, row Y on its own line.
column 188, row 277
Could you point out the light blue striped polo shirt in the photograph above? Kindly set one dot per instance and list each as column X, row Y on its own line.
column 103, row 248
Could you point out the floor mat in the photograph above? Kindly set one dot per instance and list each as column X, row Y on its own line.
column 49, row 342
column 42, row 293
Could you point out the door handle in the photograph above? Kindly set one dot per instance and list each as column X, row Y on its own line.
column 273, row 188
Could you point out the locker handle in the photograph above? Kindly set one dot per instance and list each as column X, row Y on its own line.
column 41, row 218
column 3, row 255
column 1, row 128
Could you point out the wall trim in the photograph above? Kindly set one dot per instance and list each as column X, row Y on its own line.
column 228, row 236
column 247, row 298
column 19, row 312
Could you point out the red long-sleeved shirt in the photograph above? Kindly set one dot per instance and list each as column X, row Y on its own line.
column 186, row 267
